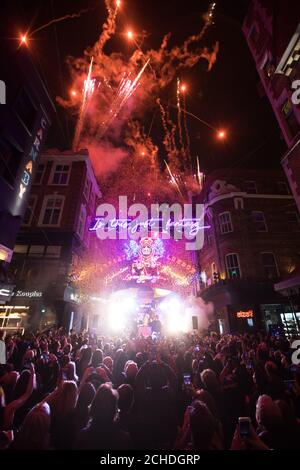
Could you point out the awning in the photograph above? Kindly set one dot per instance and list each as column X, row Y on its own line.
column 289, row 282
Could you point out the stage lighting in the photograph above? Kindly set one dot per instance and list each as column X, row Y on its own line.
column 116, row 320
column 172, row 305
column 120, row 307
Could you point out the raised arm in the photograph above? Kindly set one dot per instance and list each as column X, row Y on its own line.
column 11, row 408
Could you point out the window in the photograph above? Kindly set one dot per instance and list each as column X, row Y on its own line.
column 81, row 221
column 39, row 174
column 238, row 203
column 225, row 222
column 270, row 266
column 21, row 249
column 232, row 266
column 87, row 189
column 10, row 160
column 259, row 221
column 30, row 210
column 213, row 269
column 52, row 211
column 61, row 174
column 36, row 251
column 25, row 110
column 250, row 187
column 53, row 251
column 293, row 220
column 283, row 187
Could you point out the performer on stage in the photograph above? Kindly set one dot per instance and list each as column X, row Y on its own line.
column 156, row 325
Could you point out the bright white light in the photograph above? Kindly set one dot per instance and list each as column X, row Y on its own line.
column 171, row 305
column 119, row 308
column 172, row 309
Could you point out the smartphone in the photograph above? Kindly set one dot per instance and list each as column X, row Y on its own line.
column 187, row 379
column 244, row 426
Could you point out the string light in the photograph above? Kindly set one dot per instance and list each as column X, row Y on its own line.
column 24, row 39
column 221, row 134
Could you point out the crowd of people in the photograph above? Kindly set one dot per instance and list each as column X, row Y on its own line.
column 82, row 391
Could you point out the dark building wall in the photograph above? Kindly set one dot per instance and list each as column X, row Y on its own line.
column 24, row 123
column 272, row 32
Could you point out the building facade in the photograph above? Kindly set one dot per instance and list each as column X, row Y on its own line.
column 252, row 242
column 272, row 31
column 26, row 111
column 53, row 238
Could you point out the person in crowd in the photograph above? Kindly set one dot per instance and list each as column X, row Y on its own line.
column 34, row 432
column 79, row 417
column 104, row 432
column 121, row 393
column 198, row 430
column 130, row 371
column 270, row 423
column 62, row 404
column 126, row 417
column 2, row 348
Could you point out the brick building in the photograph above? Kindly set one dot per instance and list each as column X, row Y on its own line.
column 253, row 241
column 272, row 31
column 53, row 238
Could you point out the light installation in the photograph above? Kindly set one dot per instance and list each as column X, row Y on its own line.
column 145, row 257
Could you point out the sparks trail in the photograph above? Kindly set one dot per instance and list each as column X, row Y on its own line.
column 179, row 117
column 169, row 138
column 187, row 137
column 125, row 90
column 119, row 79
column 173, row 179
column 62, row 18
column 199, row 174
column 88, row 90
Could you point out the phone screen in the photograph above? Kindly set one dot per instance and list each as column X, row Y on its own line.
column 244, row 426
column 187, row 379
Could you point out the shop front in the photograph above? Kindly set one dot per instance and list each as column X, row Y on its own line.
column 41, row 310
column 242, row 306
column 18, row 313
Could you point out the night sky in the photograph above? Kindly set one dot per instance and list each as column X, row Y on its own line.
column 227, row 97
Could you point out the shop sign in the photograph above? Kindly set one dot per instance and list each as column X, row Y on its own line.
column 6, row 291
column 29, row 294
column 245, row 314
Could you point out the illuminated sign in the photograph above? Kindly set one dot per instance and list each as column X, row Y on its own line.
column 2, row 92
column 5, row 254
column 33, row 154
column 246, row 314
column 6, row 291
column 193, row 225
column 29, row 294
